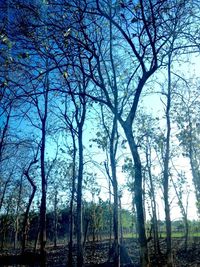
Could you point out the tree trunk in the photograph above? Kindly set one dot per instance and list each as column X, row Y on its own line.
column 43, row 118
column 194, row 167
column 25, row 221
column 110, row 216
column 153, row 204
column 113, row 151
column 186, row 234
column 55, row 218
column 184, row 212
column 85, row 232
column 70, row 245
column 36, row 239
column 43, row 199
column 166, row 169
column 116, row 226
column 4, row 192
column 79, row 201
column 16, row 232
column 138, row 195
column 17, row 215
column 4, row 132
column 121, row 226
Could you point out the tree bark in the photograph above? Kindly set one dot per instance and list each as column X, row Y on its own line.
column 55, row 218
column 70, row 245
column 166, row 169
column 43, row 119
column 113, row 149
column 80, row 123
column 25, row 221
column 153, row 202
column 43, row 199
column 121, row 226
column 110, row 216
column 4, row 192
column 79, row 201
column 17, row 214
column 138, row 195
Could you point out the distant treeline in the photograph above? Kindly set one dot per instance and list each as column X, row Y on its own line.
column 97, row 224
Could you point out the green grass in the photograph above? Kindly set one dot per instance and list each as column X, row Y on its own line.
column 163, row 235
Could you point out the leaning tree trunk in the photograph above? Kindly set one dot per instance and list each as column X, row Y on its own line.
column 153, row 203
column 184, row 211
column 25, row 221
column 138, row 195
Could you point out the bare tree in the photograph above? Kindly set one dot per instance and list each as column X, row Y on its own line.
column 141, row 31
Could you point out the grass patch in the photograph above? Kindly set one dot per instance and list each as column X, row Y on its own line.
column 163, row 235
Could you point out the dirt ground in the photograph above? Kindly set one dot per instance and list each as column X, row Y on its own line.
column 96, row 254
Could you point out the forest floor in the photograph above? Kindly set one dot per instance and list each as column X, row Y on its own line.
column 96, row 254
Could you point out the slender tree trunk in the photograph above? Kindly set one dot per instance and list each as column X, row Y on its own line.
column 166, row 170
column 121, row 226
column 17, row 214
column 43, row 199
column 70, row 245
column 25, row 221
column 153, row 204
column 4, row 224
column 194, row 166
column 3, row 239
column 43, row 118
column 4, row 190
column 184, row 213
column 55, row 218
column 186, row 233
column 155, row 229
column 115, row 217
column 80, row 115
column 113, row 151
column 3, row 194
column 4, row 132
column 36, row 239
column 16, row 232
column 110, row 217
column 79, row 201
column 85, row 232
column 116, row 225
column 195, row 176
